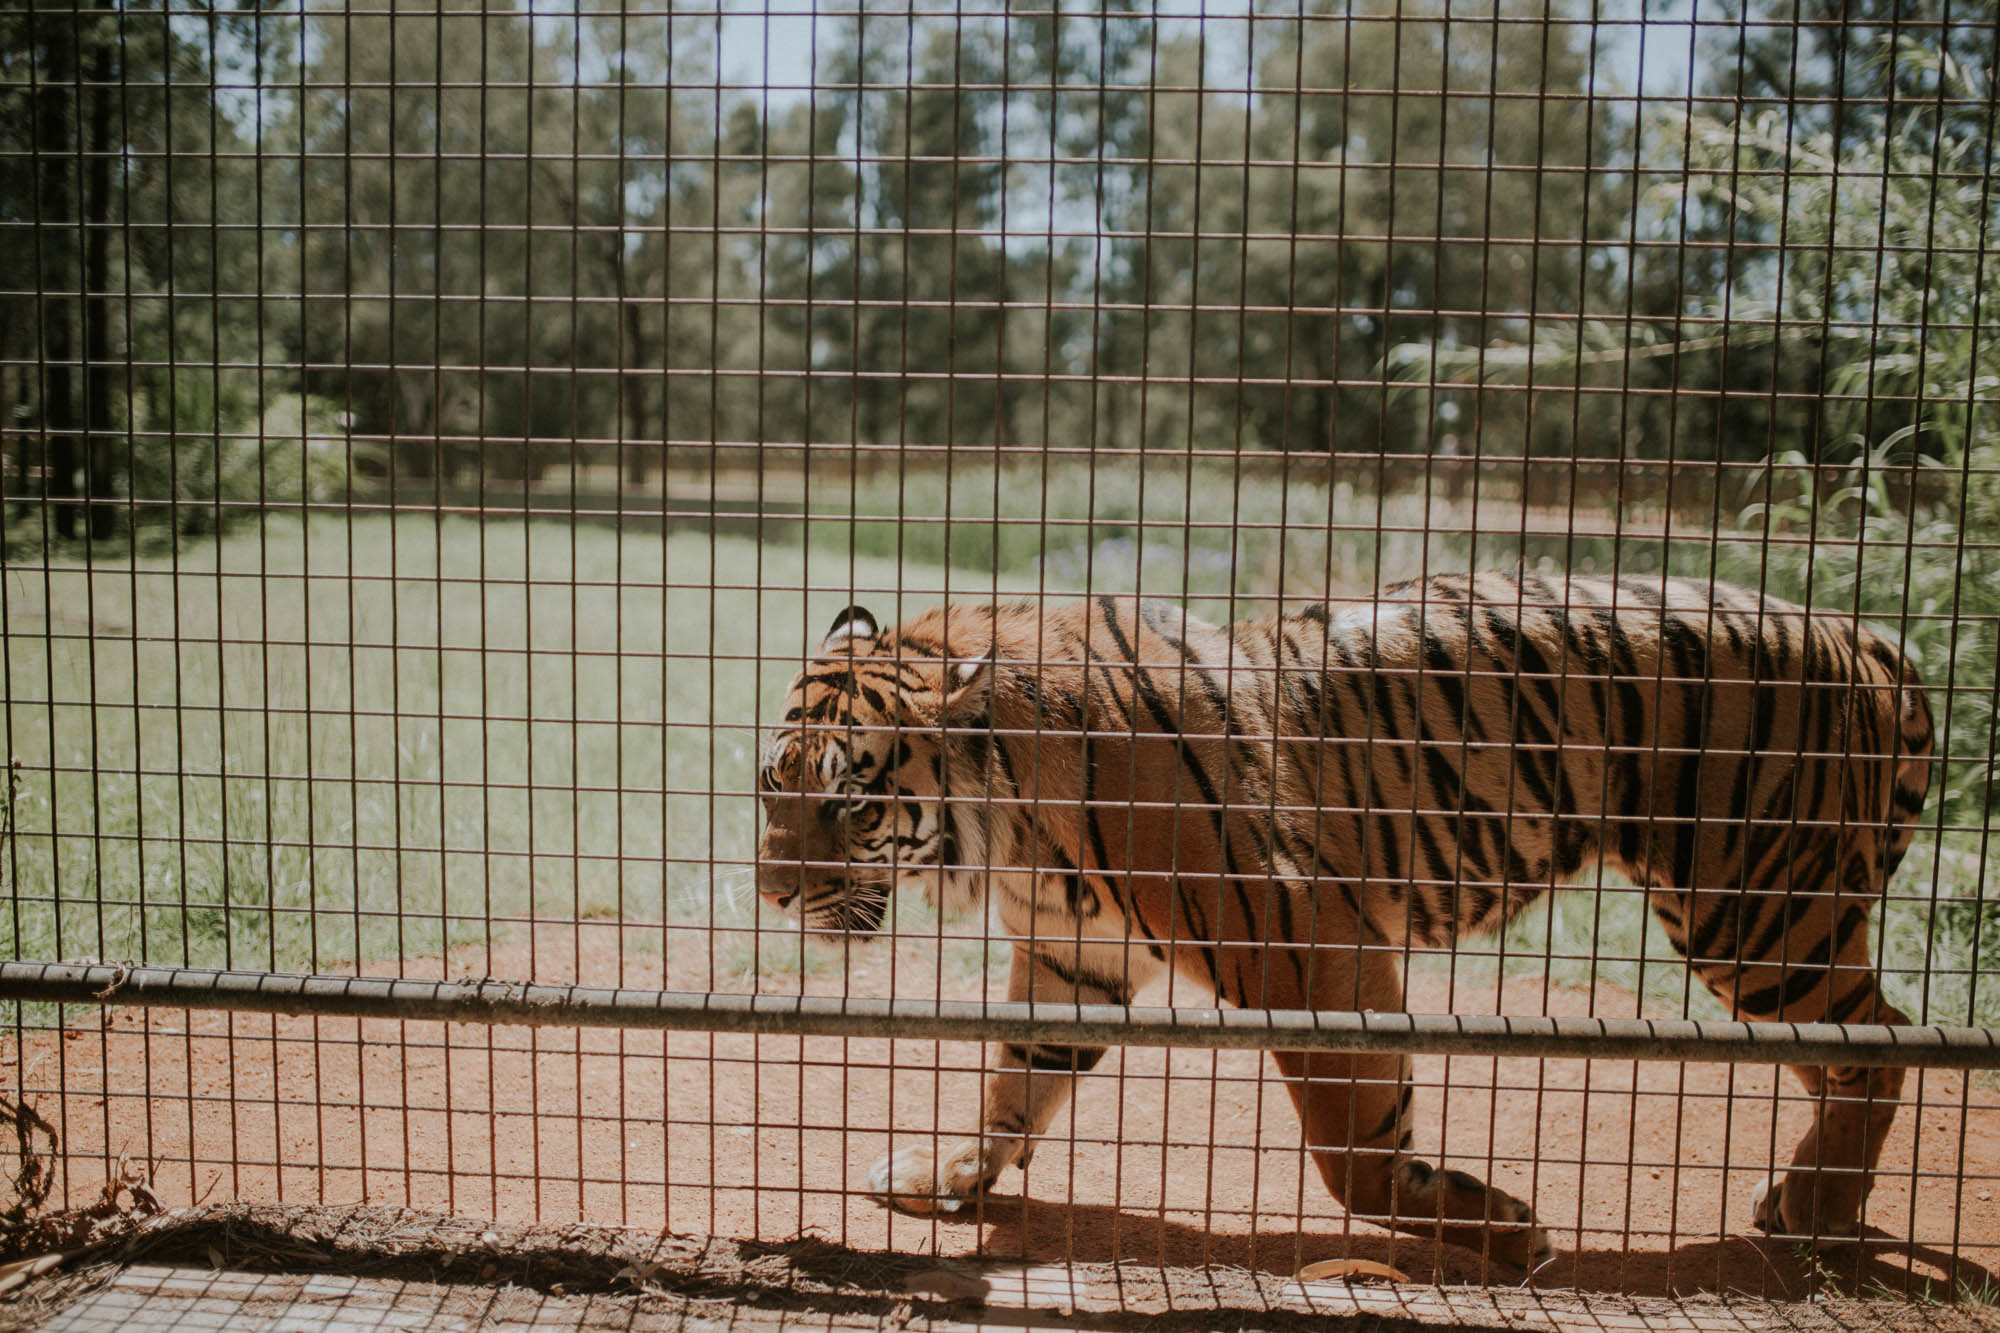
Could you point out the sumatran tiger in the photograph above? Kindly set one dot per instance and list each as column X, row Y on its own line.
column 1281, row 809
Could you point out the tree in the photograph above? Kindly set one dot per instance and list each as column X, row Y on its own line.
column 112, row 110
column 1333, row 220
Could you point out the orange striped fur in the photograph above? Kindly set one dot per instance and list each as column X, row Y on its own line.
column 1279, row 809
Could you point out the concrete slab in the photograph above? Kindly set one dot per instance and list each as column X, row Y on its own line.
column 157, row 1299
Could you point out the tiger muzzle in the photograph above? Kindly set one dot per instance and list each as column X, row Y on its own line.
column 825, row 902
column 852, row 913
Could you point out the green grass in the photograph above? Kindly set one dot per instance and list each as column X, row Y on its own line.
column 409, row 729
column 329, row 741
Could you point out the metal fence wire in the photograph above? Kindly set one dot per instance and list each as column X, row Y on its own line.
column 1166, row 532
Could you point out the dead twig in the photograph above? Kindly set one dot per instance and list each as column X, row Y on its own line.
column 34, row 1176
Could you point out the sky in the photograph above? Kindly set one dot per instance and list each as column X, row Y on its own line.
column 772, row 45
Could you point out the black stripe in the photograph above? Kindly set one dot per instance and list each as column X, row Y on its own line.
column 1847, row 1006
column 1444, row 671
column 1142, row 688
column 1801, row 979
column 1056, row 1059
column 1388, row 1125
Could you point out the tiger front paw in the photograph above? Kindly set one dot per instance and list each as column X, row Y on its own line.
column 1512, row 1236
column 1468, row 1212
column 915, row 1181
column 1805, row 1205
column 1524, row 1244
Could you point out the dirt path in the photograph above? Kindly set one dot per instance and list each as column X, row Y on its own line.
column 1643, row 1174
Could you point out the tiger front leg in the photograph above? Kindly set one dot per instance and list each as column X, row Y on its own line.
column 1028, row 1085
column 1023, row 1094
column 1356, row 1113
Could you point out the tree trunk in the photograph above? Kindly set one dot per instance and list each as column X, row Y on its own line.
column 55, row 219
column 97, row 374
column 13, row 440
column 638, row 439
column 633, row 357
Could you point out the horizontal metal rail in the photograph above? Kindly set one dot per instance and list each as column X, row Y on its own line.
column 535, row 1005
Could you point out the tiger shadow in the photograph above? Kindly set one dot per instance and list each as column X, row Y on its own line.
column 1879, row 1266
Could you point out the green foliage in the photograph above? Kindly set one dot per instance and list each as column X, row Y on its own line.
column 1886, row 228
column 202, row 479
column 1892, row 258
column 494, row 239
column 109, row 128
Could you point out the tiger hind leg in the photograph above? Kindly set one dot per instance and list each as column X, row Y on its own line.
column 1355, row 1110
column 1818, row 970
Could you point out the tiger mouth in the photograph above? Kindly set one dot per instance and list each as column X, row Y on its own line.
column 860, row 912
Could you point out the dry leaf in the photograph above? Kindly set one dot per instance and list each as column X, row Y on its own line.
column 642, row 1274
column 14, row 1274
column 1348, row 1269
column 945, row 1283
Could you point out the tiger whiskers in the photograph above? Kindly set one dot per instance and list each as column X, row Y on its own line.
column 735, row 888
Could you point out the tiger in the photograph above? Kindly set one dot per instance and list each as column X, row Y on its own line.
column 1278, row 810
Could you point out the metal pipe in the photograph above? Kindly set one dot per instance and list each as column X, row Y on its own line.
column 534, row 1005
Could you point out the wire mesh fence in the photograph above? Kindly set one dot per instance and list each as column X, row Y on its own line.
column 448, row 451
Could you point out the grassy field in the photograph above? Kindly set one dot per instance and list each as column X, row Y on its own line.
column 327, row 742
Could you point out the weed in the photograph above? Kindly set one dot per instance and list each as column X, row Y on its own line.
column 1983, row 1290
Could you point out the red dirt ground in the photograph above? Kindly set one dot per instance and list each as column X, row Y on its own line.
column 1643, row 1174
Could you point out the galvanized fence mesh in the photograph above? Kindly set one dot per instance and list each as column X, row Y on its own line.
column 436, row 438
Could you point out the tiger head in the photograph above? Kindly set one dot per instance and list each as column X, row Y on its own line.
column 854, row 779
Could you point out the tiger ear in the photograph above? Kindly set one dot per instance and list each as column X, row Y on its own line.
column 853, row 623
column 968, row 688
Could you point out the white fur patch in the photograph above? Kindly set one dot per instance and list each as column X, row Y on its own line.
column 856, row 628
column 1355, row 619
column 1389, row 628
column 832, row 765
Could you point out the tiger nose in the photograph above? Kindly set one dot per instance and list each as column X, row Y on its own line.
column 780, row 876
column 778, row 885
